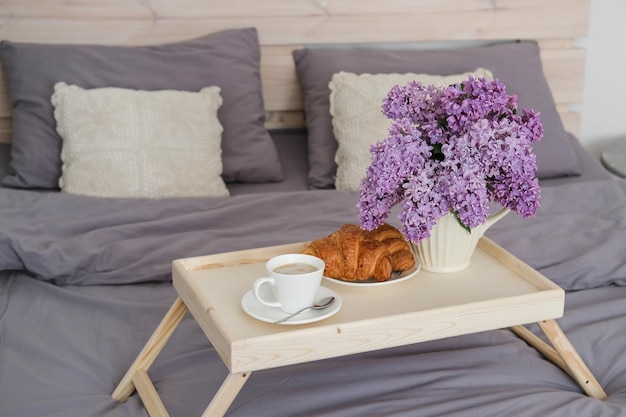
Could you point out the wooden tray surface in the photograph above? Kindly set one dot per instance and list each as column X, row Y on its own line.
column 496, row 291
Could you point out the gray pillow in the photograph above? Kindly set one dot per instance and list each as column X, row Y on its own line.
column 228, row 59
column 517, row 65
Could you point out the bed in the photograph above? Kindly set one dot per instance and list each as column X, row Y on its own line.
column 85, row 262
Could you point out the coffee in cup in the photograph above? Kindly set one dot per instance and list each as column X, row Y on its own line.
column 294, row 279
column 295, row 268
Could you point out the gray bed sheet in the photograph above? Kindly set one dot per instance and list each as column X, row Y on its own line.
column 84, row 282
column 66, row 348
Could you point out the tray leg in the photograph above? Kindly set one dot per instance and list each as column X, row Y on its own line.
column 545, row 349
column 581, row 372
column 148, row 394
column 226, row 394
column 563, row 354
column 151, row 350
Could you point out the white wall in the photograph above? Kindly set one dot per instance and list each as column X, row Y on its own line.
column 604, row 102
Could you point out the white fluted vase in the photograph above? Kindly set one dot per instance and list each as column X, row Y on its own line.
column 450, row 247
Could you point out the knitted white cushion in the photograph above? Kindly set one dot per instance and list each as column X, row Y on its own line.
column 357, row 117
column 133, row 143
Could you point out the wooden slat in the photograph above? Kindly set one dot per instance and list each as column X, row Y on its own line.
column 78, row 9
column 565, row 72
column 284, row 119
column 5, row 130
column 149, row 395
column 287, row 24
column 542, row 347
column 226, row 394
column 571, row 121
column 280, row 31
column 165, row 9
column 281, row 90
column 564, row 67
column 151, row 350
column 5, row 106
column 582, row 374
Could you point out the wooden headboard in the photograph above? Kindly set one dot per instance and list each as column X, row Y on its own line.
column 285, row 25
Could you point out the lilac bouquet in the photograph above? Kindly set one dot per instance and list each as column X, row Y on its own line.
column 451, row 149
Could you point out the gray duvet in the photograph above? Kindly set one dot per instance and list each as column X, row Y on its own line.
column 84, row 282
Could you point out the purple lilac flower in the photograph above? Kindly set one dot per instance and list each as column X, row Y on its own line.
column 454, row 148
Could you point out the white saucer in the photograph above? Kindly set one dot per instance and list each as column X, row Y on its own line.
column 395, row 278
column 260, row 311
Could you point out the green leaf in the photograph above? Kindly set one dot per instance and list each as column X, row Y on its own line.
column 436, row 153
column 456, row 216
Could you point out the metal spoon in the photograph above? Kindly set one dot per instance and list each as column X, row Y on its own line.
column 320, row 305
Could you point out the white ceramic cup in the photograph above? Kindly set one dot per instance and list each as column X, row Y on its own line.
column 295, row 289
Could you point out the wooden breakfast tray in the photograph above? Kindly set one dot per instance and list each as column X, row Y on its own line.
column 496, row 291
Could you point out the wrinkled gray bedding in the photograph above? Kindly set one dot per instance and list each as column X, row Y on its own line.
column 84, row 282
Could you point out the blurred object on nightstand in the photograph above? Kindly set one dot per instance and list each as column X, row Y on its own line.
column 613, row 157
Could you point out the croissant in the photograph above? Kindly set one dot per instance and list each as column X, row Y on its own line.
column 401, row 256
column 353, row 254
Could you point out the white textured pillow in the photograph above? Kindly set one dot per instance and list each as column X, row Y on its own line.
column 133, row 143
column 357, row 117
